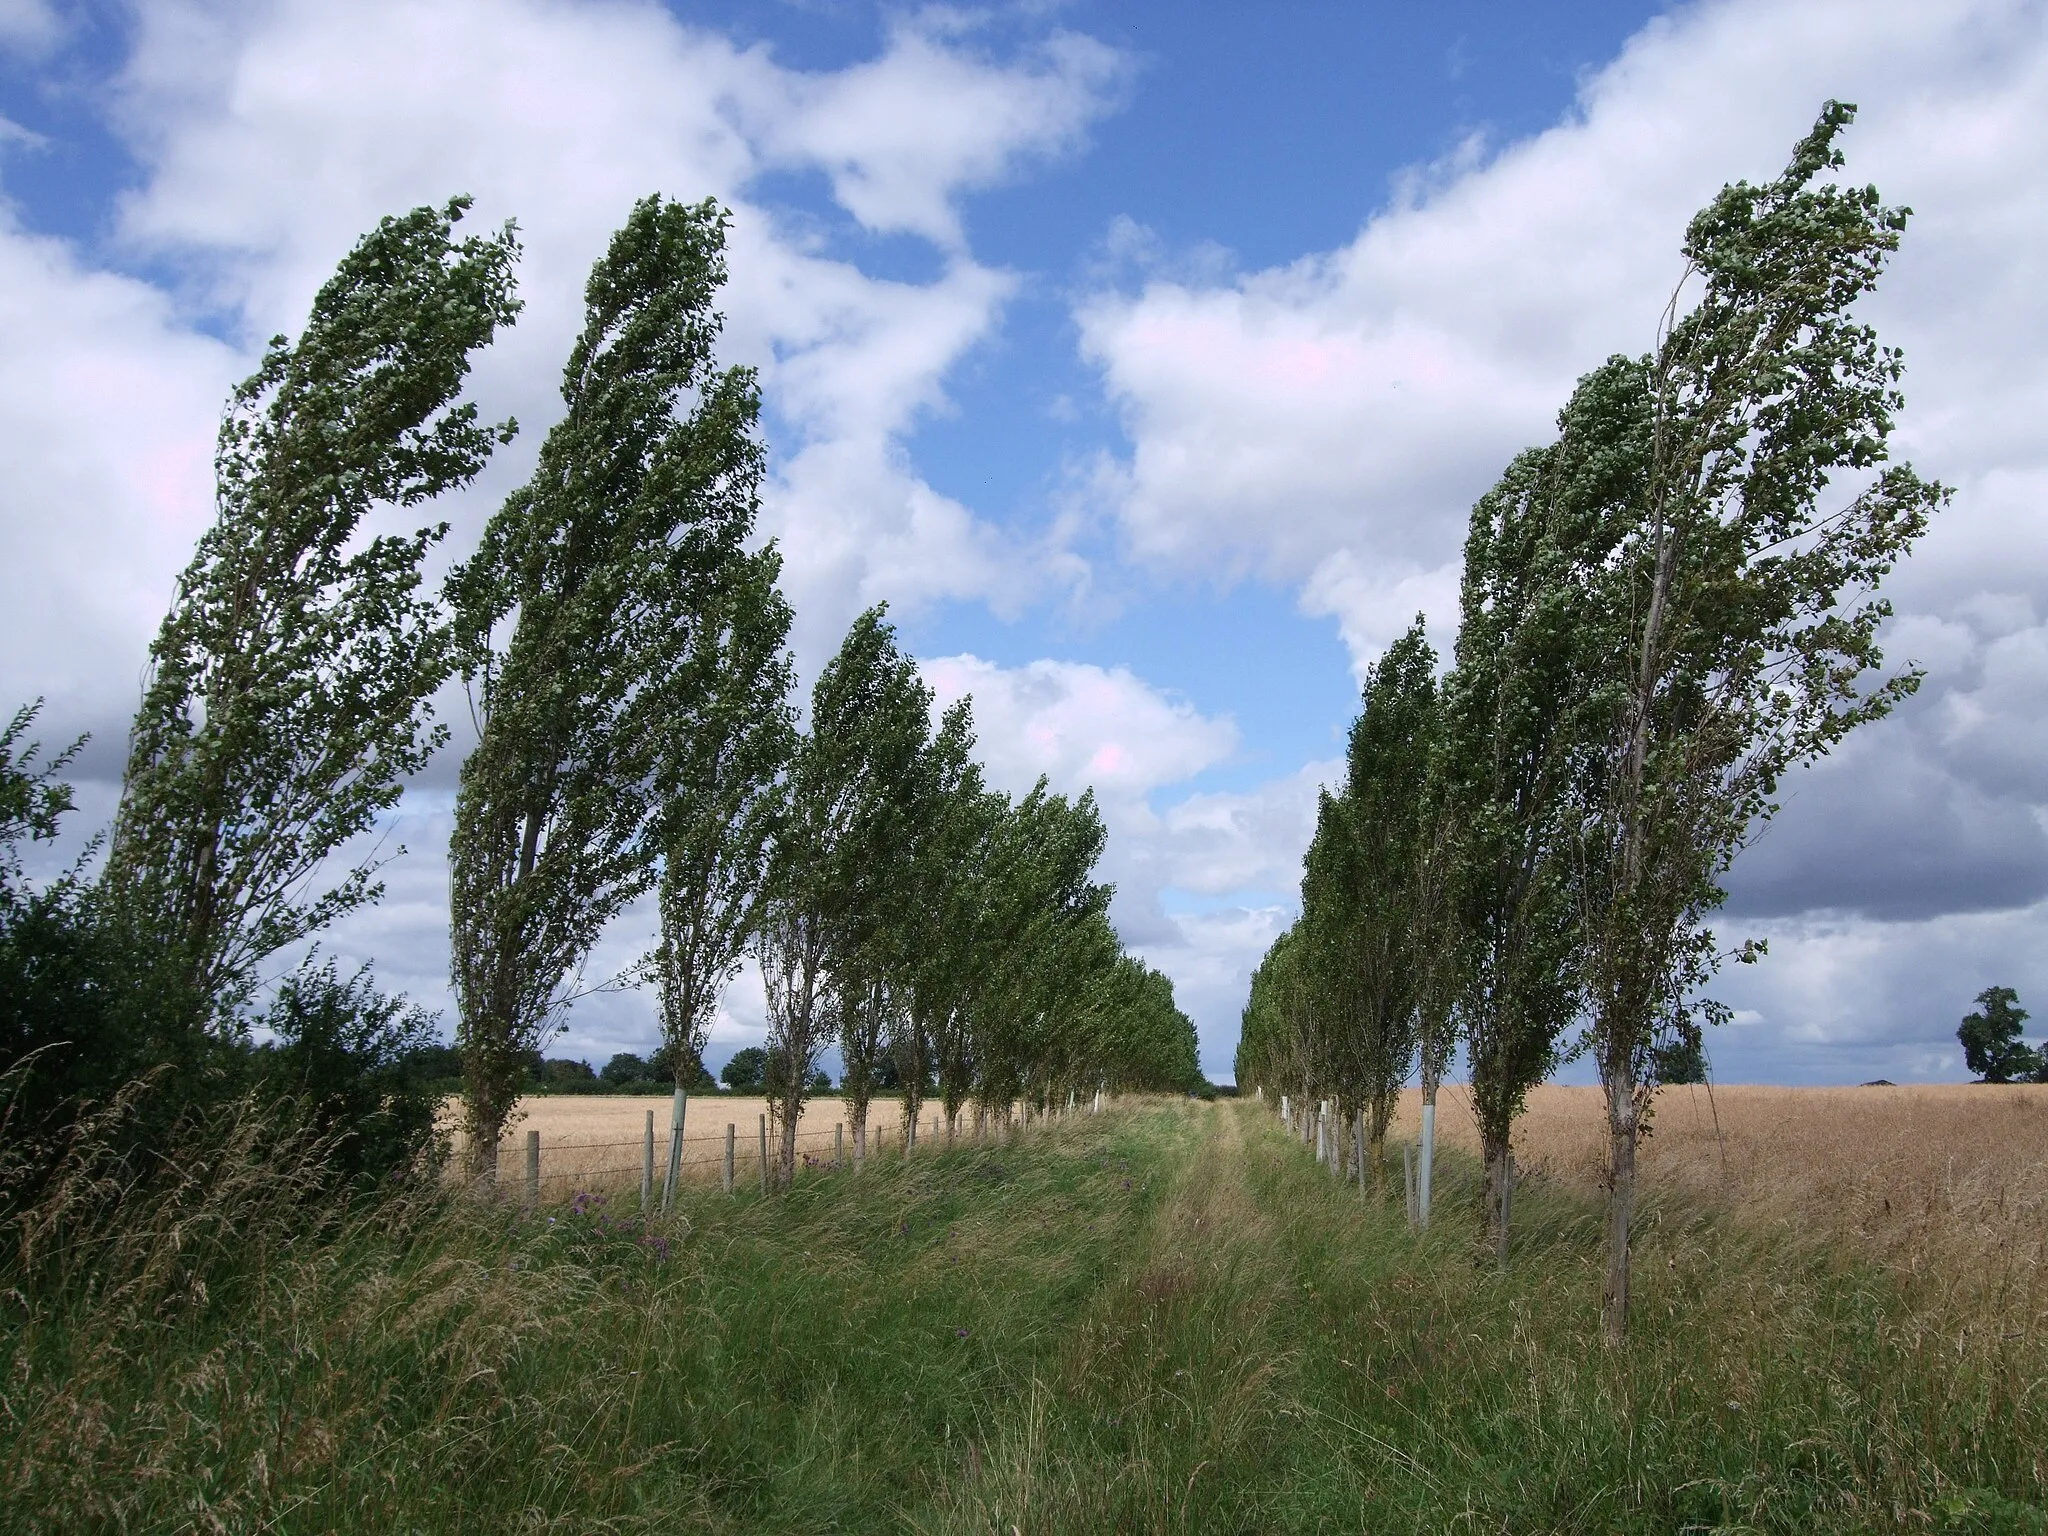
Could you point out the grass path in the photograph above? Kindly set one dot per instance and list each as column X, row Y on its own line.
column 1169, row 1395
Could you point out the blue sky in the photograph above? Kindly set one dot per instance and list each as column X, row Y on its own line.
column 1145, row 358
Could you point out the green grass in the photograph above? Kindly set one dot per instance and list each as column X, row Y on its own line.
column 1166, row 1319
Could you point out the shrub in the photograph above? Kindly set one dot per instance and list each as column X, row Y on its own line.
column 346, row 1056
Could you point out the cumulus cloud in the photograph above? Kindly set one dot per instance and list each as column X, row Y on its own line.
column 1082, row 726
column 1327, row 423
column 108, row 403
column 269, row 136
column 896, row 172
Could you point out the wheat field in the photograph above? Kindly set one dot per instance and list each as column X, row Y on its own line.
column 597, row 1142
column 1948, row 1178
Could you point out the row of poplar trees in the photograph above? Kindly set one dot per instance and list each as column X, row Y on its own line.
column 1662, row 611
column 622, row 641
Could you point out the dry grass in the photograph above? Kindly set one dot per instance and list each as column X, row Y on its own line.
column 1932, row 1179
column 597, row 1141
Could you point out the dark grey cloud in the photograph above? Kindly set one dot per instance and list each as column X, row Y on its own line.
column 1886, row 831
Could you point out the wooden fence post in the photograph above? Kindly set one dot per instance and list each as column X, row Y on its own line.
column 764, row 1154
column 532, row 1168
column 838, row 1142
column 647, row 1165
column 731, row 1135
column 678, row 1108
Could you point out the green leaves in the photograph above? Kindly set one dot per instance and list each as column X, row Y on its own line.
column 1992, row 1047
column 621, row 567
column 1730, row 614
column 831, row 911
column 717, row 775
column 288, row 692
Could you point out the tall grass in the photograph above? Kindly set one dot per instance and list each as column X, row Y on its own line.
column 1168, row 1319
column 206, row 1349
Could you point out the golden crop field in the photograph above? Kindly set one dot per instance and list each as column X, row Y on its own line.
column 1949, row 1176
column 597, row 1141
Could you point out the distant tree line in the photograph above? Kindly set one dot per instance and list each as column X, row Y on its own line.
column 1662, row 611
column 622, row 639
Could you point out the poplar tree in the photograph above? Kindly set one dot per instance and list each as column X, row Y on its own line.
column 848, row 778
column 950, row 922
column 725, row 733
column 873, row 942
column 1728, row 595
column 1041, row 910
column 1384, row 803
column 1514, row 746
column 627, row 537
column 287, row 698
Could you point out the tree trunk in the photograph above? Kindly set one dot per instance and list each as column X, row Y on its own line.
column 1377, row 1116
column 913, row 1106
column 487, row 1116
column 1623, row 1128
column 1500, row 1186
column 1422, row 1175
column 483, row 1160
column 785, row 1156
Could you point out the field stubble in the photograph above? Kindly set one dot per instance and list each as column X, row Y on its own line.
column 1944, row 1184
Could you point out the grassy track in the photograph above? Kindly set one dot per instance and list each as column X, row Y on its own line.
column 1164, row 1320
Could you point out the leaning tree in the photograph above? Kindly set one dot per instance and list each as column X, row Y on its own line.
column 288, row 692
column 632, row 524
column 1725, row 551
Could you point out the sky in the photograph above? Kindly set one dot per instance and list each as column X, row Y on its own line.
column 1145, row 358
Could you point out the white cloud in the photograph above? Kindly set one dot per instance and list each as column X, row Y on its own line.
column 270, row 135
column 1373, row 608
column 1218, row 843
column 30, row 28
column 896, row 171
column 107, row 409
column 1328, row 423
column 1082, row 726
